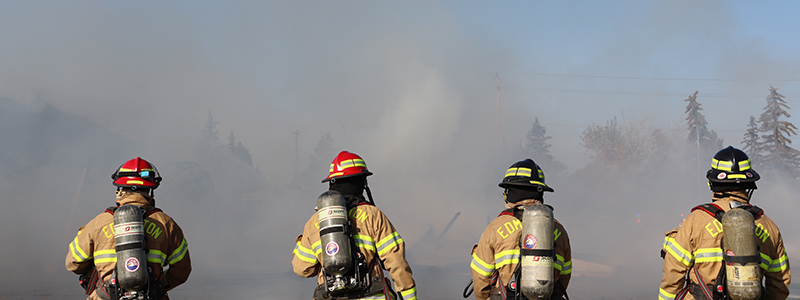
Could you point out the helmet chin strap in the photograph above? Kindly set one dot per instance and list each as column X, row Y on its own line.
column 369, row 192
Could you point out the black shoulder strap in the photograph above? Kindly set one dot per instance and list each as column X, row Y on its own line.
column 147, row 210
column 711, row 209
column 717, row 212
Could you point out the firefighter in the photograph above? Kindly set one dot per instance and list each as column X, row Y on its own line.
column 375, row 238
column 496, row 256
column 694, row 248
column 93, row 255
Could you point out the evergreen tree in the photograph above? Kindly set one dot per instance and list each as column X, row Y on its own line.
column 750, row 141
column 210, row 131
column 775, row 150
column 318, row 165
column 537, row 148
column 239, row 150
column 698, row 126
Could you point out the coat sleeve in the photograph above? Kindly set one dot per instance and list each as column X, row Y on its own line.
column 482, row 266
column 304, row 255
column 180, row 264
column 678, row 259
column 392, row 252
column 80, row 255
column 777, row 274
column 563, row 261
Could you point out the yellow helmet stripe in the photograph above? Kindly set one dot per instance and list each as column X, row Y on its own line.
column 524, row 172
column 744, row 165
column 735, row 176
column 722, row 165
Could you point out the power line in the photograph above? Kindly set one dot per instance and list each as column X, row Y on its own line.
column 653, row 78
column 634, row 93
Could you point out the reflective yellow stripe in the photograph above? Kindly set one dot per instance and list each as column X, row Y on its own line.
column 480, row 266
column 524, row 172
column 156, row 256
column 744, row 165
column 704, row 255
column 741, row 176
column 506, row 258
column 722, row 165
column 317, row 247
column 389, row 243
column 672, row 247
column 567, row 268
column 305, row 254
column 664, row 295
column 409, row 294
column 105, row 256
column 76, row 250
column 365, row 241
column 179, row 253
column 778, row 265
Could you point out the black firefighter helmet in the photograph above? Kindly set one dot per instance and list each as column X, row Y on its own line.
column 731, row 170
column 525, row 174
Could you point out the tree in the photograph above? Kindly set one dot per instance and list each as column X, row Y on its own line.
column 318, row 164
column 537, row 148
column 775, row 150
column 698, row 126
column 210, row 131
column 239, row 150
column 632, row 146
column 750, row 141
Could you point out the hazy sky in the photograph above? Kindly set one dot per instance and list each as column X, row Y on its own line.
column 412, row 86
column 152, row 70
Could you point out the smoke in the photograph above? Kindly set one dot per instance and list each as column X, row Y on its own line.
column 411, row 87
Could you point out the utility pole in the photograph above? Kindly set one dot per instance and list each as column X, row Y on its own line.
column 296, row 134
column 497, row 133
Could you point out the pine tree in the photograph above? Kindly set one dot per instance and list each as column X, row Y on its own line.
column 775, row 149
column 750, row 141
column 698, row 126
column 210, row 131
column 538, row 149
column 239, row 150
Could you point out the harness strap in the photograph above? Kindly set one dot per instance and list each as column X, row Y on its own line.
column 717, row 212
column 538, row 252
column 148, row 210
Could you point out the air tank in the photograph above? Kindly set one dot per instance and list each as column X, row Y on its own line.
column 334, row 233
column 743, row 278
column 537, row 252
column 130, row 246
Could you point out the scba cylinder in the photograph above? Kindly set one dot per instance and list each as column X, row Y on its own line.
column 537, row 252
column 743, row 278
column 130, row 246
column 334, row 233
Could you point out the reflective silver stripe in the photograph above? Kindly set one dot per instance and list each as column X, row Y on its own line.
column 106, row 256
column 156, row 257
column 559, row 262
column 305, row 254
column 179, row 253
column 363, row 242
column 478, row 265
column 409, row 294
column 663, row 295
column 77, row 252
column 387, row 244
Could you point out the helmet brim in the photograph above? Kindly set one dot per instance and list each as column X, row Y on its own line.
column 718, row 176
column 364, row 173
column 505, row 185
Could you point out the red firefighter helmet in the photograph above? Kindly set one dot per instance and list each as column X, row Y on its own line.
column 345, row 165
column 135, row 173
